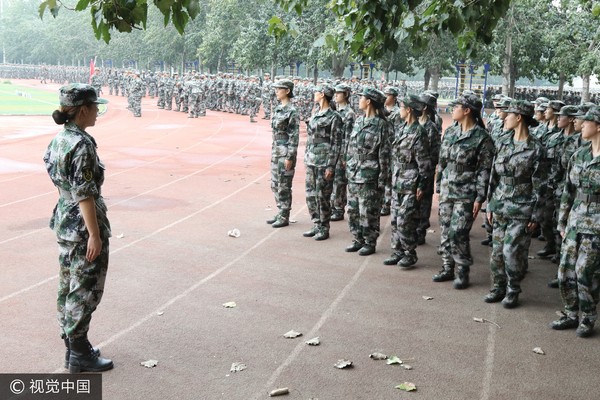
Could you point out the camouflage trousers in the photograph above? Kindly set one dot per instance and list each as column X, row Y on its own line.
column 281, row 185
column 456, row 221
column 266, row 103
column 405, row 212
column 318, row 196
column 135, row 103
column 160, row 103
column 549, row 222
column 196, row 106
column 80, row 286
column 151, row 91
column 387, row 196
column 579, row 274
column 510, row 248
column 339, row 196
column 168, row 100
column 364, row 205
column 425, row 209
column 253, row 108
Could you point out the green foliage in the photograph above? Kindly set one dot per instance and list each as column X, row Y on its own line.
column 127, row 15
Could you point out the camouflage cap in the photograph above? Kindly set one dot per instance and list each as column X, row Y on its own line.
column 556, row 105
column 522, row 107
column 342, row 87
column 391, row 90
column 414, row 102
column 78, row 94
column 569, row 111
column 504, row 103
column 593, row 115
column 428, row 99
column 285, row 84
column 471, row 101
column 584, row 108
column 432, row 93
column 374, row 94
column 327, row 90
column 541, row 100
column 497, row 97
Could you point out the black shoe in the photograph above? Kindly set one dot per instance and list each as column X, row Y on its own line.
column 68, row 351
column 511, row 300
column 408, row 261
column 553, row 283
column 337, row 216
column 487, row 241
column 461, row 281
column 84, row 359
column 312, row 232
column 585, row 328
column 420, row 240
column 354, row 247
column 323, row 234
column 564, row 323
column 393, row 260
column 270, row 221
column 366, row 250
column 443, row 276
column 495, row 295
column 546, row 252
column 281, row 222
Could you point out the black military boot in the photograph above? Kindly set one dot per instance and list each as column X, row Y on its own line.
column 511, row 300
column 487, row 241
column 461, row 281
column 337, row 216
column 585, row 328
column 322, row 233
column 68, row 351
column 367, row 249
column 553, row 283
column 312, row 232
column 282, row 220
column 495, row 295
column 394, row 258
column 354, row 247
column 270, row 221
column 547, row 251
column 446, row 274
column 84, row 359
column 408, row 260
column 564, row 323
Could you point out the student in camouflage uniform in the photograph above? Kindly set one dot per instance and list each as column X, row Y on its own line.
column 552, row 140
column 515, row 185
column 285, row 124
column 466, row 158
column 367, row 164
column 136, row 92
column 411, row 165
column 433, row 132
column 266, row 95
column 395, row 122
column 339, row 197
column 323, row 144
column 80, row 222
column 579, row 225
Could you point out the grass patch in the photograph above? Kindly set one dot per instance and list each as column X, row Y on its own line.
column 21, row 100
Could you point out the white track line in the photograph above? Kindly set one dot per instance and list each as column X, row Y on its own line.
column 489, row 358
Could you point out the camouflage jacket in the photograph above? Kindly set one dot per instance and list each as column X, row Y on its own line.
column 540, row 131
column 348, row 117
column 368, row 155
column 516, row 179
column 411, row 161
column 571, row 144
column 465, row 162
column 75, row 169
column 324, row 139
column 580, row 200
column 435, row 141
column 552, row 163
column 286, row 130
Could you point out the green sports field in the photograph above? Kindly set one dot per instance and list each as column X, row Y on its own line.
column 21, row 100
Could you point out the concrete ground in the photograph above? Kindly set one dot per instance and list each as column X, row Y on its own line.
column 175, row 187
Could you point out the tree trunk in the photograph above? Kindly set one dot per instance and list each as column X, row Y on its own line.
column 513, row 80
column 315, row 74
column 435, row 77
column 507, row 60
column 426, row 79
column 585, row 95
column 561, row 85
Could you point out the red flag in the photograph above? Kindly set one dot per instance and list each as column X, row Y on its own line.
column 92, row 68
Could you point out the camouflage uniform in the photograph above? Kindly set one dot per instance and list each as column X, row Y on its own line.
column 135, row 94
column 75, row 169
column 266, row 94
column 579, row 218
column 321, row 155
column 285, row 125
column 515, row 184
column 395, row 124
column 463, row 174
column 411, row 163
column 367, row 165
column 339, row 197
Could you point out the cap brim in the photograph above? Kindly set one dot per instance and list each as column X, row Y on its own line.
column 101, row 101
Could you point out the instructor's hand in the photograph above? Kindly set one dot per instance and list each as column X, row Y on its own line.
column 94, row 245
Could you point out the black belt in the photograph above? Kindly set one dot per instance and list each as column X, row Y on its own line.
column 511, row 180
column 588, row 198
column 365, row 157
column 320, row 140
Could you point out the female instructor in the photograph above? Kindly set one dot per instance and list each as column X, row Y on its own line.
column 80, row 222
